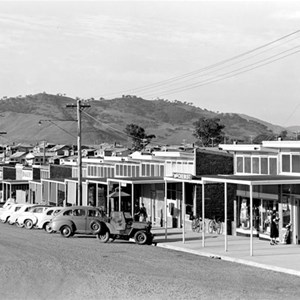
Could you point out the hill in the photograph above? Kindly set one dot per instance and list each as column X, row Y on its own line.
column 105, row 120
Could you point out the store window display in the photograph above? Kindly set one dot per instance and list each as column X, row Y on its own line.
column 244, row 214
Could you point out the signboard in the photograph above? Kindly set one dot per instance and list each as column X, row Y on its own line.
column 185, row 176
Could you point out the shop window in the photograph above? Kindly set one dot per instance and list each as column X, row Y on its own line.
column 247, row 165
column 152, row 171
column 255, row 165
column 296, row 163
column 273, row 166
column 286, row 212
column 285, row 163
column 239, row 165
column 161, row 170
column 264, row 165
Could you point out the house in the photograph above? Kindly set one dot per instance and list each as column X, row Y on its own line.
column 38, row 158
column 18, row 157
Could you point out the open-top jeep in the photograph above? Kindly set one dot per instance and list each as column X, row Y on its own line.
column 121, row 225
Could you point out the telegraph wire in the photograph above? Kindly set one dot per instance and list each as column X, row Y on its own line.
column 119, row 132
column 226, row 66
column 176, row 78
column 224, row 76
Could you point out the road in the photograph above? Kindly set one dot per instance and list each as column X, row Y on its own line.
column 37, row 265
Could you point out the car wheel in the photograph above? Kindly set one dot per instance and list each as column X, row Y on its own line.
column 28, row 224
column 19, row 225
column 140, row 238
column 66, row 231
column 4, row 220
column 48, row 228
column 103, row 237
column 95, row 226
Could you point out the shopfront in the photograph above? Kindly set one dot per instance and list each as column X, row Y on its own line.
column 259, row 196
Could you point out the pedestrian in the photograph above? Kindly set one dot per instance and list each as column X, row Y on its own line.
column 136, row 213
column 274, row 234
column 143, row 213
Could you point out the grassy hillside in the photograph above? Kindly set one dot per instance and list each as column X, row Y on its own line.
column 105, row 120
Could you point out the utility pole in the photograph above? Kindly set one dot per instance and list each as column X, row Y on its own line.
column 4, row 151
column 79, row 107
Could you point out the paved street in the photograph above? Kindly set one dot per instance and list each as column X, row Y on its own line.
column 36, row 265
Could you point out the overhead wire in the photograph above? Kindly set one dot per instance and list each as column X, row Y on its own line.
column 204, row 73
column 174, row 79
column 119, row 132
column 225, row 75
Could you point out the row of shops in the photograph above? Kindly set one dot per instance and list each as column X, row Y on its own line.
column 245, row 199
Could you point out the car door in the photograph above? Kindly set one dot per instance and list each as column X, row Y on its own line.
column 79, row 219
column 92, row 214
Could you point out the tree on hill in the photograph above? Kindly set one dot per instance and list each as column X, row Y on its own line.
column 139, row 137
column 208, row 131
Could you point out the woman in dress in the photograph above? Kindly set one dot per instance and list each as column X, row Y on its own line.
column 274, row 234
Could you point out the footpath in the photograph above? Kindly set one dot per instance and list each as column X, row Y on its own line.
column 280, row 258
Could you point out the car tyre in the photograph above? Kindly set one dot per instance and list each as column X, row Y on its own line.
column 140, row 238
column 48, row 228
column 4, row 220
column 66, row 231
column 96, row 226
column 28, row 224
column 19, row 225
column 104, row 237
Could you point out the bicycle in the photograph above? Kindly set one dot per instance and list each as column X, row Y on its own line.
column 197, row 224
column 215, row 226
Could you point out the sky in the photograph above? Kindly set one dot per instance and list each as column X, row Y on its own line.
column 224, row 56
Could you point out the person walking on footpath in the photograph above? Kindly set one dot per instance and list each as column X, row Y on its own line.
column 274, row 234
column 143, row 213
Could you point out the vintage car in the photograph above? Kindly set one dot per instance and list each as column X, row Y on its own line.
column 8, row 212
column 45, row 219
column 6, row 205
column 121, row 225
column 78, row 219
column 14, row 216
column 29, row 217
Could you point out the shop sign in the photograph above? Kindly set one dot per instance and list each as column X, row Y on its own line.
column 183, row 176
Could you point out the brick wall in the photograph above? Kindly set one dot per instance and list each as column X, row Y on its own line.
column 213, row 163
column 57, row 171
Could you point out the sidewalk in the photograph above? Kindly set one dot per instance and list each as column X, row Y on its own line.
column 280, row 258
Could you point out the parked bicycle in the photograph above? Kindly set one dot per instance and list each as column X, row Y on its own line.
column 215, row 226
column 197, row 224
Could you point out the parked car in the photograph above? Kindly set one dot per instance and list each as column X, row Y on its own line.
column 29, row 217
column 45, row 219
column 8, row 212
column 122, row 226
column 78, row 219
column 5, row 206
column 14, row 216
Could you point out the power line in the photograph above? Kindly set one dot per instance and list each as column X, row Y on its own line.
column 177, row 78
column 119, row 132
column 225, row 75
